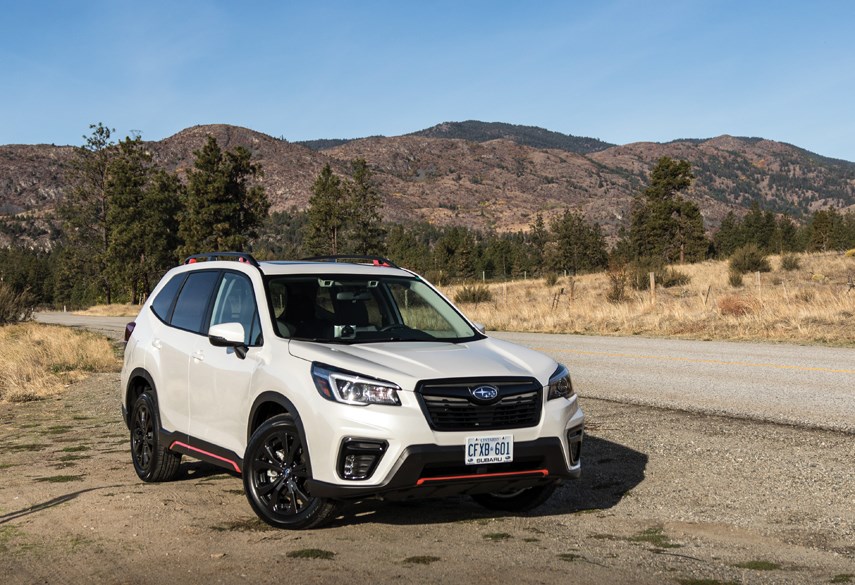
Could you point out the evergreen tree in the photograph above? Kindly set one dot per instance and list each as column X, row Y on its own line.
column 327, row 213
column 86, row 231
column 127, row 175
column 538, row 237
column 664, row 226
column 405, row 248
column 729, row 235
column 223, row 209
column 579, row 246
column 161, row 207
column 366, row 234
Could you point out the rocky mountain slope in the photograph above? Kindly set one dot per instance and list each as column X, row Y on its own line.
column 482, row 182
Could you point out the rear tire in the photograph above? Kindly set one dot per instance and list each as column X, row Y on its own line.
column 517, row 500
column 152, row 461
column 275, row 470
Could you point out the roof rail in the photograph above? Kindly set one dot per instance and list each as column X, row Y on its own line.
column 211, row 256
column 375, row 260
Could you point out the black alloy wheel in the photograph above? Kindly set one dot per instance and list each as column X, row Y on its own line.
column 276, row 468
column 152, row 461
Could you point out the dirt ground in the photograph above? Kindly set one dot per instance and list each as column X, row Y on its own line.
column 666, row 497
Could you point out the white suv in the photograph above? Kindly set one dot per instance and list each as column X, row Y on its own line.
column 323, row 381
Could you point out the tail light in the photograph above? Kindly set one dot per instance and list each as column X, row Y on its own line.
column 129, row 329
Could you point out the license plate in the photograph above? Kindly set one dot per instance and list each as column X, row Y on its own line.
column 481, row 450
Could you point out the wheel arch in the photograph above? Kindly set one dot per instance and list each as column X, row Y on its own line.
column 269, row 404
column 137, row 382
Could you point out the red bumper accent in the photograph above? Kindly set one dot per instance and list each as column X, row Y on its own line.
column 540, row 472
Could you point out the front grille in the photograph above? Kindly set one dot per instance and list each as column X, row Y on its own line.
column 449, row 405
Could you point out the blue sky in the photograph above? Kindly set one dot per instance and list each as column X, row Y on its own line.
column 620, row 71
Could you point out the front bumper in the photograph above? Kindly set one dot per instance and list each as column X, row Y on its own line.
column 426, row 471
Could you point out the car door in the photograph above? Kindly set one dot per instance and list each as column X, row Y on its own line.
column 174, row 342
column 220, row 381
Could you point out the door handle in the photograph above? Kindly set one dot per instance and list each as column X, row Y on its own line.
column 156, row 343
column 199, row 356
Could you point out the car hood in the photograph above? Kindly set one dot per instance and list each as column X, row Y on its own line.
column 407, row 363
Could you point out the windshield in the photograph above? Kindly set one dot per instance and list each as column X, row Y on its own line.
column 360, row 309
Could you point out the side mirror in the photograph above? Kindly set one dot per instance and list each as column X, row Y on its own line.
column 228, row 335
column 480, row 328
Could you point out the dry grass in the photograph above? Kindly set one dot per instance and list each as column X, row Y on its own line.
column 40, row 360
column 811, row 305
column 116, row 310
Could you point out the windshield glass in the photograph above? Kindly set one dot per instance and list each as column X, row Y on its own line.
column 359, row 309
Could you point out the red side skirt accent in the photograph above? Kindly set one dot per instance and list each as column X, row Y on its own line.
column 197, row 450
column 541, row 472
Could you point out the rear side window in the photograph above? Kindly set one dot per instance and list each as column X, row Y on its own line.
column 192, row 303
column 163, row 301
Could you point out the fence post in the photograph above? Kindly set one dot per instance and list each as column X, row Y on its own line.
column 652, row 288
column 759, row 296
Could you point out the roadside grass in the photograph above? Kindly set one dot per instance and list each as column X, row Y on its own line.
column 117, row 310
column 38, row 360
column 813, row 304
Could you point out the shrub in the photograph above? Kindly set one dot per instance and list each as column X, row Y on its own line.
column 749, row 258
column 14, row 306
column 477, row 293
column 665, row 277
column 551, row 279
column 736, row 306
column 734, row 277
column 790, row 262
column 617, row 286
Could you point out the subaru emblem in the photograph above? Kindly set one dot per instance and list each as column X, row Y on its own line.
column 484, row 393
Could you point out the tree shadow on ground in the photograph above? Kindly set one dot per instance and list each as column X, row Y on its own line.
column 609, row 472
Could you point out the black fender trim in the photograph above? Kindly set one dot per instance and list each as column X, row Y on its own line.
column 277, row 398
column 126, row 405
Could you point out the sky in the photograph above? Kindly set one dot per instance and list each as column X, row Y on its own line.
column 620, row 71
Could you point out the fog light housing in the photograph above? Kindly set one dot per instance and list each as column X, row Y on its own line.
column 358, row 458
column 574, row 445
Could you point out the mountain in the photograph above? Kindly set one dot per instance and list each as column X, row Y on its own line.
column 498, row 183
column 476, row 131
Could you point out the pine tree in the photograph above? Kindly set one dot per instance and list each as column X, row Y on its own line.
column 365, row 232
column 127, row 176
column 86, row 231
column 327, row 213
column 663, row 226
column 579, row 246
column 222, row 209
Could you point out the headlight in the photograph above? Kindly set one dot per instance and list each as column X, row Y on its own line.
column 350, row 388
column 560, row 385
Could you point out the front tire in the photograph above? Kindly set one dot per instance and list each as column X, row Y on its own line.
column 275, row 470
column 152, row 461
column 517, row 500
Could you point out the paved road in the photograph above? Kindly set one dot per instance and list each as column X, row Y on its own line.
column 800, row 385
column 112, row 327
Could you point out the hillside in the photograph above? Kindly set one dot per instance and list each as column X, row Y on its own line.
column 476, row 131
column 499, row 183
